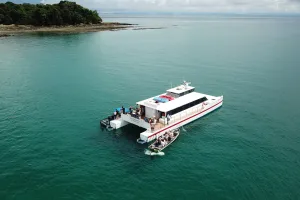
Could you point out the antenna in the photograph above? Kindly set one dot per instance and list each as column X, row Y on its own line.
column 186, row 84
column 170, row 85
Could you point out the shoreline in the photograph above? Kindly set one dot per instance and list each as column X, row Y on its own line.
column 11, row 30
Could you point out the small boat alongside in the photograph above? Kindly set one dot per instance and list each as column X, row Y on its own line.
column 164, row 141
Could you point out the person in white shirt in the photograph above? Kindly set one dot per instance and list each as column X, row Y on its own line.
column 154, row 121
column 168, row 118
column 163, row 143
column 171, row 134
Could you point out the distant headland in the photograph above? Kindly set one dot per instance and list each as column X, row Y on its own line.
column 65, row 17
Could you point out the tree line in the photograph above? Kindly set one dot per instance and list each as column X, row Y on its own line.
column 63, row 13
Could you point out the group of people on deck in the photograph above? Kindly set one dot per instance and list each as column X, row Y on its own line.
column 117, row 113
column 152, row 122
column 165, row 139
column 137, row 112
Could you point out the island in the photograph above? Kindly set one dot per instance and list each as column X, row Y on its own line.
column 63, row 17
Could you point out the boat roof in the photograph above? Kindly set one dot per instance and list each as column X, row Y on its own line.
column 180, row 101
column 167, row 106
column 180, row 89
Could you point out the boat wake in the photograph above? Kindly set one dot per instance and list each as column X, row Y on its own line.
column 183, row 129
column 151, row 153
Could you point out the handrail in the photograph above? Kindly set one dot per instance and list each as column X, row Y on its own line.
column 180, row 115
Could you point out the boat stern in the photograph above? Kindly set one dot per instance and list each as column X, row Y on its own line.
column 118, row 123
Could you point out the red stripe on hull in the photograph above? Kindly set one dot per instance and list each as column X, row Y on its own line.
column 185, row 119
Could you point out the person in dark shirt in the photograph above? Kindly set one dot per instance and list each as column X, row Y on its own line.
column 130, row 110
column 158, row 143
column 118, row 113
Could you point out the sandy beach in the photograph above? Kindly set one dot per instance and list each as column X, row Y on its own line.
column 9, row 30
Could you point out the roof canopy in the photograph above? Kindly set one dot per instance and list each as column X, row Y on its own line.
column 180, row 101
column 180, row 89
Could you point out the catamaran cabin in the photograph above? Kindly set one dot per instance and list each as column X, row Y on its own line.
column 181, row 99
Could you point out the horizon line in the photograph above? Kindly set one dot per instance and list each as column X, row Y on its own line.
column 118, row 12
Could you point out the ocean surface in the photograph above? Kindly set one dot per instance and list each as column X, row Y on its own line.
column 54, row 89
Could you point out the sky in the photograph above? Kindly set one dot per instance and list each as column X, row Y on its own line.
column 193, row 6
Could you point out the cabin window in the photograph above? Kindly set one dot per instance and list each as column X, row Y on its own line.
column 172, row 94
column 203, row 99
column 187, row 106
column 194, row 103
column 187, row 92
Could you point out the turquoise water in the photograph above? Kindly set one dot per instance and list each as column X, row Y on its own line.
column 54, row 89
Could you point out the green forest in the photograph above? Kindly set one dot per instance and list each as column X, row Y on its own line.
column 63, row 13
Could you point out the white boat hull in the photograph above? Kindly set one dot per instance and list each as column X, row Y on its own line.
column 182, row 122
column 118, row 123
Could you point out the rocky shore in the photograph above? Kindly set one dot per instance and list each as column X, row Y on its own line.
column 9, row 30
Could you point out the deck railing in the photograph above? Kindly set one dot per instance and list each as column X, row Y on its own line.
column 180, row 116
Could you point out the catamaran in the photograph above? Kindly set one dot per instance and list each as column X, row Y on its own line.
column 173, row 109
